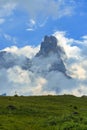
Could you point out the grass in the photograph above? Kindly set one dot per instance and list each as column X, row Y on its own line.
column 65, row 112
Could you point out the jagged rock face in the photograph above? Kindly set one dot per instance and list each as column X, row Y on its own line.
column 49, row 45
column 50, row 49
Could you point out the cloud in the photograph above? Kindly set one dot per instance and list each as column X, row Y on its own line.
column 84, row 37
column 28, row 51
column 28, row 83
column 55, row 9
column 38, row 11
column 38, row 80
column 76, row 63
column 66, row 43
column 7, row 8
column 59, row 83
column 22, row 75
column 9, row 38
column 2, row 20
column 30, row 29
column 34, row 24
column 78, row 71
column 22, row 81
column 31, row 25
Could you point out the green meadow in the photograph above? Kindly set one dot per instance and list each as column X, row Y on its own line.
column 65, row 112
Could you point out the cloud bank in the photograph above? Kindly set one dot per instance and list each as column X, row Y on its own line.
column 35, row 82
column 28, row 51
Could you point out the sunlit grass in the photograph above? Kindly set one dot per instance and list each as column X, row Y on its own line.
column 43, row 113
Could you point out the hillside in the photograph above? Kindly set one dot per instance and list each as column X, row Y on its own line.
column 65, row 112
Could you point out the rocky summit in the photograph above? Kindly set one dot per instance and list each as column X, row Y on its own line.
column 49, row 45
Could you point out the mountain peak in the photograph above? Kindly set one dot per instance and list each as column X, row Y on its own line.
column 50, row 39
column 51, row 53
column 49, row 45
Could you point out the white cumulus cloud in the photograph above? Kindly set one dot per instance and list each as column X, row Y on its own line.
column 28, row 51
column 38, row 80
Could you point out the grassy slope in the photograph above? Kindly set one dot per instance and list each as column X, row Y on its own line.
column 43, row 113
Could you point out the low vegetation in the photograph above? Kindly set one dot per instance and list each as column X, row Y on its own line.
column 65, row 112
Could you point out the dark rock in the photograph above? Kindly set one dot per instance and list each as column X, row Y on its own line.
column 49, row 45
column 75, row 113
column 11, row 107
column 58, row 67
column 75, row 107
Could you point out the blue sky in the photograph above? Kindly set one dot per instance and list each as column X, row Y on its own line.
column 26, row 22
column 23, row 25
